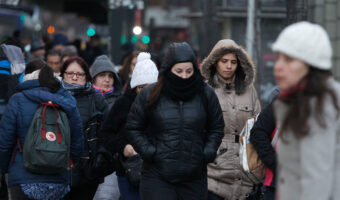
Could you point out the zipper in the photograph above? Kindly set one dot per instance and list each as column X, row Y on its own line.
column 181, row 127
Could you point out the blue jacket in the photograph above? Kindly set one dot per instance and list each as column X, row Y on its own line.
column 16, row 122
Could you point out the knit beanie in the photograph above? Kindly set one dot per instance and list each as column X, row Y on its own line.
column 102, row 64
column 307, row 42
column 145, row 71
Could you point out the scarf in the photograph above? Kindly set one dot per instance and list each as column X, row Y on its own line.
column 103, row 92
column 293, row 90
column 77, row 89
column 182, row 89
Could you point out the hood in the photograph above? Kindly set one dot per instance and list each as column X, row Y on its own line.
column 15, row 57
column 103, row 64
column 34, row 92
column 178, row 53
column 222, row 47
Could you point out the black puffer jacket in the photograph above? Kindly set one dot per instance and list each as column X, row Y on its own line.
column 177, row 139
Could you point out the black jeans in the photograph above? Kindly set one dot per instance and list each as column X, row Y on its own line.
column 3, row 188
column 17, row 193
column 85, row 192
column 153, row 187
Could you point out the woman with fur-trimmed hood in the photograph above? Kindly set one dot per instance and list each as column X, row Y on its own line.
column 230, row 71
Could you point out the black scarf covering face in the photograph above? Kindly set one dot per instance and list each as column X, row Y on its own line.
column 182, row 89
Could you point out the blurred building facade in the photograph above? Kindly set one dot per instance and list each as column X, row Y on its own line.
column 327, row 14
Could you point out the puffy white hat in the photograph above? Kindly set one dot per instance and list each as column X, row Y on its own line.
column 145, row 71
column 307, row 42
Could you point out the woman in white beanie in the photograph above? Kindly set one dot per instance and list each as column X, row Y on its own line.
column 144, row 73
column 307, row 114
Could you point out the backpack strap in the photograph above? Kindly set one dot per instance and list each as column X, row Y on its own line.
column 43, row 130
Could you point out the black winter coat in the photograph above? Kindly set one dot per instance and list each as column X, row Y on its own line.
column 113, row 132
column 260, row 136
column 89, row 102
column 176, row 139
column 92, row 107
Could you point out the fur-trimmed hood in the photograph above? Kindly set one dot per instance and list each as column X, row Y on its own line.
column 222, row 47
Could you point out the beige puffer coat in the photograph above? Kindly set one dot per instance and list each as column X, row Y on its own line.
column 239, row 102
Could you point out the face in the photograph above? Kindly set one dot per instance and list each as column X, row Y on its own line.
column 226, row 66
column 104, row 80
column 184, row 70
column 54, row 61
column 289, row 71
column 74, row 74
column 133, row 63
column 139, row 88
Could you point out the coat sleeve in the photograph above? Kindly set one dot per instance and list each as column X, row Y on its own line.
column 8, row 133
column 111, row 132
column 215, row 126
column 76, row 126
column 77, row 136
column 135, row 128
column 260, row 137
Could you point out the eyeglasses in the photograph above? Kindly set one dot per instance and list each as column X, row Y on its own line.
column 78, row 75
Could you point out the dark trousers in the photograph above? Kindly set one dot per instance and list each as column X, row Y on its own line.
column 127, row 190
column 153, row 187
column 212, row 196
column 17, row 193
column 3, row 189
column 85, row 192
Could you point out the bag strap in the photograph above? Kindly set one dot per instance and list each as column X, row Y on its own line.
column 43, row 129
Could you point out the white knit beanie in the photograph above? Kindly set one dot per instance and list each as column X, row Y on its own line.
column 307, row 42
column 145, row 71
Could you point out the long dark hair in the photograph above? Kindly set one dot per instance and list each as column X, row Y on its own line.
column 155, row 93
column 240, row 76
column 299, row 103
column 126, row 69
column 82, row 64
column 47, row 79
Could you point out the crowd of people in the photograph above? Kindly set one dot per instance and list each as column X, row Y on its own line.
column 171, row 131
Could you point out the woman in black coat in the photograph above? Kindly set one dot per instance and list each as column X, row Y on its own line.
column 176, row 125
column 91, row 105
column 261, row 136
column 113, row 131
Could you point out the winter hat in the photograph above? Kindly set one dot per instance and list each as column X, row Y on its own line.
column 145, row 71
column 102, row 64
column 60, row 39
column 37, row 45
column 307, row 42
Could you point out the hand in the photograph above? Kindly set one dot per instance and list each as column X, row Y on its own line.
column 129, row 151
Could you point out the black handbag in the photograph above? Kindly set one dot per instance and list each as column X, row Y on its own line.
column 133, row 169
column 99, row 163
